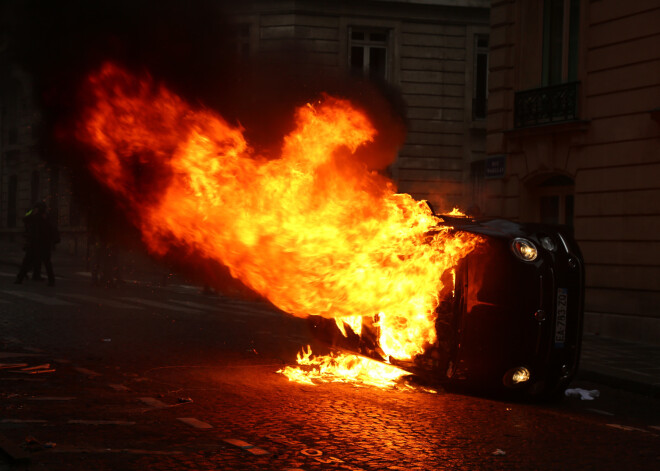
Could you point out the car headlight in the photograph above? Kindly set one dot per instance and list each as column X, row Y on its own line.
column 524, row 249
column 516, row 377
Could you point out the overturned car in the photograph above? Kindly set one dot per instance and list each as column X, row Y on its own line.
column 512, row 322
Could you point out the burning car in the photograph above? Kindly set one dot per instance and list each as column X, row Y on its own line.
column 512, row 322
column 318, row 232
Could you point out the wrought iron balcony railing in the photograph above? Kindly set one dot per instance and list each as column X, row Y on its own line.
column 554, row 104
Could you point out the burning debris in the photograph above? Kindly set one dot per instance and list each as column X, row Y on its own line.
column 343, row 368
column 313, row 230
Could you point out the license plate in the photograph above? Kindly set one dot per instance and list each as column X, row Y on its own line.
column 560, row 325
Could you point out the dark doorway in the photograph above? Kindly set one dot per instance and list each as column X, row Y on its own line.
column 556, row 200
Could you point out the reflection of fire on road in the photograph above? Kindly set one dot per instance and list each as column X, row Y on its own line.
column 314, row 231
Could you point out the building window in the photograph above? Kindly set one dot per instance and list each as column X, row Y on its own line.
column 480, row 92
column 12, row 200
column 368, row 52
column 561, row 24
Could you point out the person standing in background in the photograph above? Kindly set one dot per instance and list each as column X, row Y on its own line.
column 40, row 238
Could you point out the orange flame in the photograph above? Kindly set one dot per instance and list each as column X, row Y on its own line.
column 342, row 368
column 314, row 231
column 456, row 212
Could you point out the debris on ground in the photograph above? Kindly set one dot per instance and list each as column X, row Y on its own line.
column 32, row 444
column 499, row 452
column 583, row 394
column 33, row 370
column 38, row 367
column 5, row 366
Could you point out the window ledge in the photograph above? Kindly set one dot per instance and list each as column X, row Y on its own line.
column 578, row 125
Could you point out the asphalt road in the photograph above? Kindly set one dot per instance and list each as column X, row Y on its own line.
column 168, row 378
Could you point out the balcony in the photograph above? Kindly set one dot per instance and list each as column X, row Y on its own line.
column 548, row 105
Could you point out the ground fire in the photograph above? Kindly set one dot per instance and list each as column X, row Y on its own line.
column 313, row 230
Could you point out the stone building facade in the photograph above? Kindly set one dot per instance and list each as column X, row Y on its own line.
column 574, row 138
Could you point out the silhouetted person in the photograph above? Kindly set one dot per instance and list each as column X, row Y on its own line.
column 29, row 244
column 40, row 238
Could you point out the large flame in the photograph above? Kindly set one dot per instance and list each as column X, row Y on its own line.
column 344, row 368
column 314, row 231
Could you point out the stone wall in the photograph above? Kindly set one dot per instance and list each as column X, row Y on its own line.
column 611, row 152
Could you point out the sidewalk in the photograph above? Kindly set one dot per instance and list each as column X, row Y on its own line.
column 616, row 363
column 135, row 266
column 621, row 364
